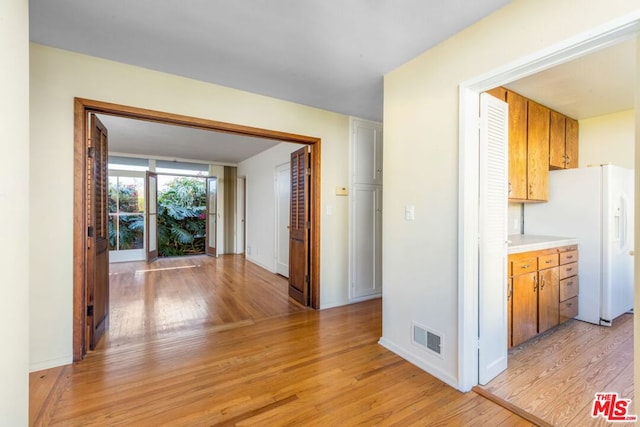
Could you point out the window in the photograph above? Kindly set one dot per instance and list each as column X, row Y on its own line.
column 126, row 212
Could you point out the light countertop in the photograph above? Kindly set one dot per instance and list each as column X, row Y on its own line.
column 529, row 242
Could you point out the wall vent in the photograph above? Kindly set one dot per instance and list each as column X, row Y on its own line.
column 427, row 339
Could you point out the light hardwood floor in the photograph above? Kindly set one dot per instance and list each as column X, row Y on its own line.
column 556, row 375
column 261, row 362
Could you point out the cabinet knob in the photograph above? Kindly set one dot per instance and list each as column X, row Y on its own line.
column 531, row 189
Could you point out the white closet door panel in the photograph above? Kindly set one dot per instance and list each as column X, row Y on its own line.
column 367, row 153
column 493, row 238
column 366, row 258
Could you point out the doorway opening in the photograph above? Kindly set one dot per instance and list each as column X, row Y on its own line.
column 82, row 110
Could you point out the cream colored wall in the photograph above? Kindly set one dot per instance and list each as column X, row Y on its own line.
column 14, row 212
column 608, row 139
column 421, row 122
column 57, row 77
column 260, row 171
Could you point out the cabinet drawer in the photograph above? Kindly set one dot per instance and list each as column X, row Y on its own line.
column 568, row 270
column 525, row 265
column 547, row 261
column 568, row 309
column 567, row 257
column 568, row 288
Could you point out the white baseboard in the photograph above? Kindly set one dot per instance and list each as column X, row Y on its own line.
column 420, row 363
column 51, row 363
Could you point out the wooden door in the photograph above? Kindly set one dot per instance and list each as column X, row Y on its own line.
column 571, row 143
column 97, row 280
column 517, row 146
column 300, row 226
column 548, row 299
column 538, row 151
column 151, row 216
column 557, row 154
column 212, row 216
column 509, row 312
column 525, row 310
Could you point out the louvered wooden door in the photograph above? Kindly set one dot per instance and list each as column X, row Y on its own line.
column 97, row 280
column 300, row 226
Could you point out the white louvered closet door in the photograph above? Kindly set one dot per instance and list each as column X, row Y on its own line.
column 492, row 292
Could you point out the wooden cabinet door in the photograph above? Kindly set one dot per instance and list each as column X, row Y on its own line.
column 509, row 312
column 517, row 146
column 525, row 307
column 538, row 151
column 556, row 141
column 548, row 298
column 571, row 143
column 498, row 92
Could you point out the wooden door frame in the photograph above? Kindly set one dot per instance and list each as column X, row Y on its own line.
column 82, row 108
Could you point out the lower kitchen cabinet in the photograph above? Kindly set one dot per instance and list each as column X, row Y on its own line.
column 542, row 291
column 525, row 307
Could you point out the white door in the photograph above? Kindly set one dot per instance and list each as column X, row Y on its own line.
column 366, row 155
column 366, row 258
column 283, row 191
column 241, row 214
column 492, row 292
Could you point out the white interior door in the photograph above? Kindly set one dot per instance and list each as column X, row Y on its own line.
column 366, row 259
column 492, row 292
column 283, row 193
column 241, row 215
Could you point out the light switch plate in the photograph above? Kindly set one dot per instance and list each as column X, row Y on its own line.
column 409, row 212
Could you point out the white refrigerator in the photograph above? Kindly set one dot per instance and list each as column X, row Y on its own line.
column 595, row 205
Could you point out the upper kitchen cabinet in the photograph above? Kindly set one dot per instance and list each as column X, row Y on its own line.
column 563, row 142
column 517, row 145
column 537, row 152
column 498, row 92
column 571, row 143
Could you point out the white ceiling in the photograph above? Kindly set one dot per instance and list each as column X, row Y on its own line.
column 170, row 142
column 330, row 55
column 593, row 85
column 327, row 54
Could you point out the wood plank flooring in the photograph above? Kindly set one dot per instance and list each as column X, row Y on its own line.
column 267, row 365
column 186, row 293
column 556, row 375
